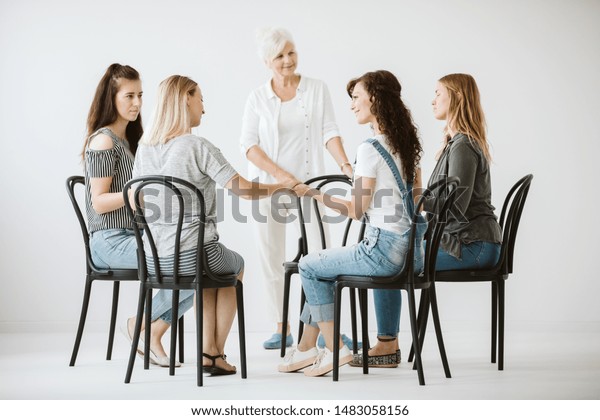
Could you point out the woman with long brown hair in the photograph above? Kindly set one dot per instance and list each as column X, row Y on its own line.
column 114, row 129
column 387, row 168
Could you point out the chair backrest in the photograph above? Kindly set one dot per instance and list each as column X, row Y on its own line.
column 166, row 188
column 72, row 183
column 509, row 221
column 444, row 193
column 319, row 183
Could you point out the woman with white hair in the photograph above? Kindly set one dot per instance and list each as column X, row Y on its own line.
column 287, row 124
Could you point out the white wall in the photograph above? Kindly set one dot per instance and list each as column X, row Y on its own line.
column 536, row 62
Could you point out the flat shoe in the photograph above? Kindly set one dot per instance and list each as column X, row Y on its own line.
column 345, row 339
column 382, row 361
column 295, row 359
column 154, row 359
column 274, row 342
column 215, row 370
column 324, row 361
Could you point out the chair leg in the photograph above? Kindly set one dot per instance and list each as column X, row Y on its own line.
column 501, row 296
column 337, row 310
column 300, row 323
column 239, row 291
column 199, row 333
column 351, row 292
column 494, row 321
column 136, row 333
column 181, row 344
column 422, row 318
column 147, row 328
column 286, row 306
column 438, row 329
column 84, row 308
column 174, row 323
column 415, row 337
column 363, row 303
column 364, row 325
column 425, row 317
column 113, row 320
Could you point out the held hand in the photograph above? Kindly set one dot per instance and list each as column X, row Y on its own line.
column 290, row 182
column 347, row 170
column 302, row 190
column 285, row 178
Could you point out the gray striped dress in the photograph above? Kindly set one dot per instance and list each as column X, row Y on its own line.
column 198, row 161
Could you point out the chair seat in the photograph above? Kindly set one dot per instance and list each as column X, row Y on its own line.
column 115, row 274
column 464, row 276
column 357, row 281
column 291, row 265
column 187, row 282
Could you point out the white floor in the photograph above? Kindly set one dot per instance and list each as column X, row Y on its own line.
column 538, row 366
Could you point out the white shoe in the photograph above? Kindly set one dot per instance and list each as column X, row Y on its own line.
column 324, row 361
column 154, row 359
column 295, row 359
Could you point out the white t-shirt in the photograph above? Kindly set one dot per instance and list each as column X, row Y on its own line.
column 386, row 210
column 292, row 140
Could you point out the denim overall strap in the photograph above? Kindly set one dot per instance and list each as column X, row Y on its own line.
column 406, row 193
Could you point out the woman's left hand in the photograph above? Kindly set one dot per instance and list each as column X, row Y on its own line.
column 347, row 170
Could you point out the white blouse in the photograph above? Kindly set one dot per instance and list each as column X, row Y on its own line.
column 261, row 126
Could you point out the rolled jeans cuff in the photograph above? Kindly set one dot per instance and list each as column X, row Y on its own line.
column 312, row 314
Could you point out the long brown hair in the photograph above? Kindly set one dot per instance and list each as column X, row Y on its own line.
column 103, row 111
column 465, row 114
column 393, row 117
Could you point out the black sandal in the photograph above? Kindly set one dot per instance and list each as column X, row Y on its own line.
column 215, row 370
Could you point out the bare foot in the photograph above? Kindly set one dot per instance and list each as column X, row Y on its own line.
column 155, row 343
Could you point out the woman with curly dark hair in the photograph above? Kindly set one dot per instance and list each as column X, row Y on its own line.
column 387, row 168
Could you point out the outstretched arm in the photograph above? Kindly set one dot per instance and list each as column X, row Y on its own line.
column 336, row 149
column 355, row 208
column 249, row 190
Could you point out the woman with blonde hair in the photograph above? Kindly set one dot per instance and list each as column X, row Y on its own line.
column 169, row 148
column 472, row 236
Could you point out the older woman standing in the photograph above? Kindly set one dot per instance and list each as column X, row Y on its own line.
column 287, row 124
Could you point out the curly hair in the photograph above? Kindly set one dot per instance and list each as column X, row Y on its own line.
column 393, row 117
column 103, row 110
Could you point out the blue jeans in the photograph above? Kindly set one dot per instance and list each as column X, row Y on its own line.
column 114, row 248
column 477, row 254
column 380, row 253
column 117, row 248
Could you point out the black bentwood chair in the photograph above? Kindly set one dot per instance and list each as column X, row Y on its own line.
column 166, row 189
column 444, row 191
column 497, row 275
column 291, row 267
column 94, row 273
